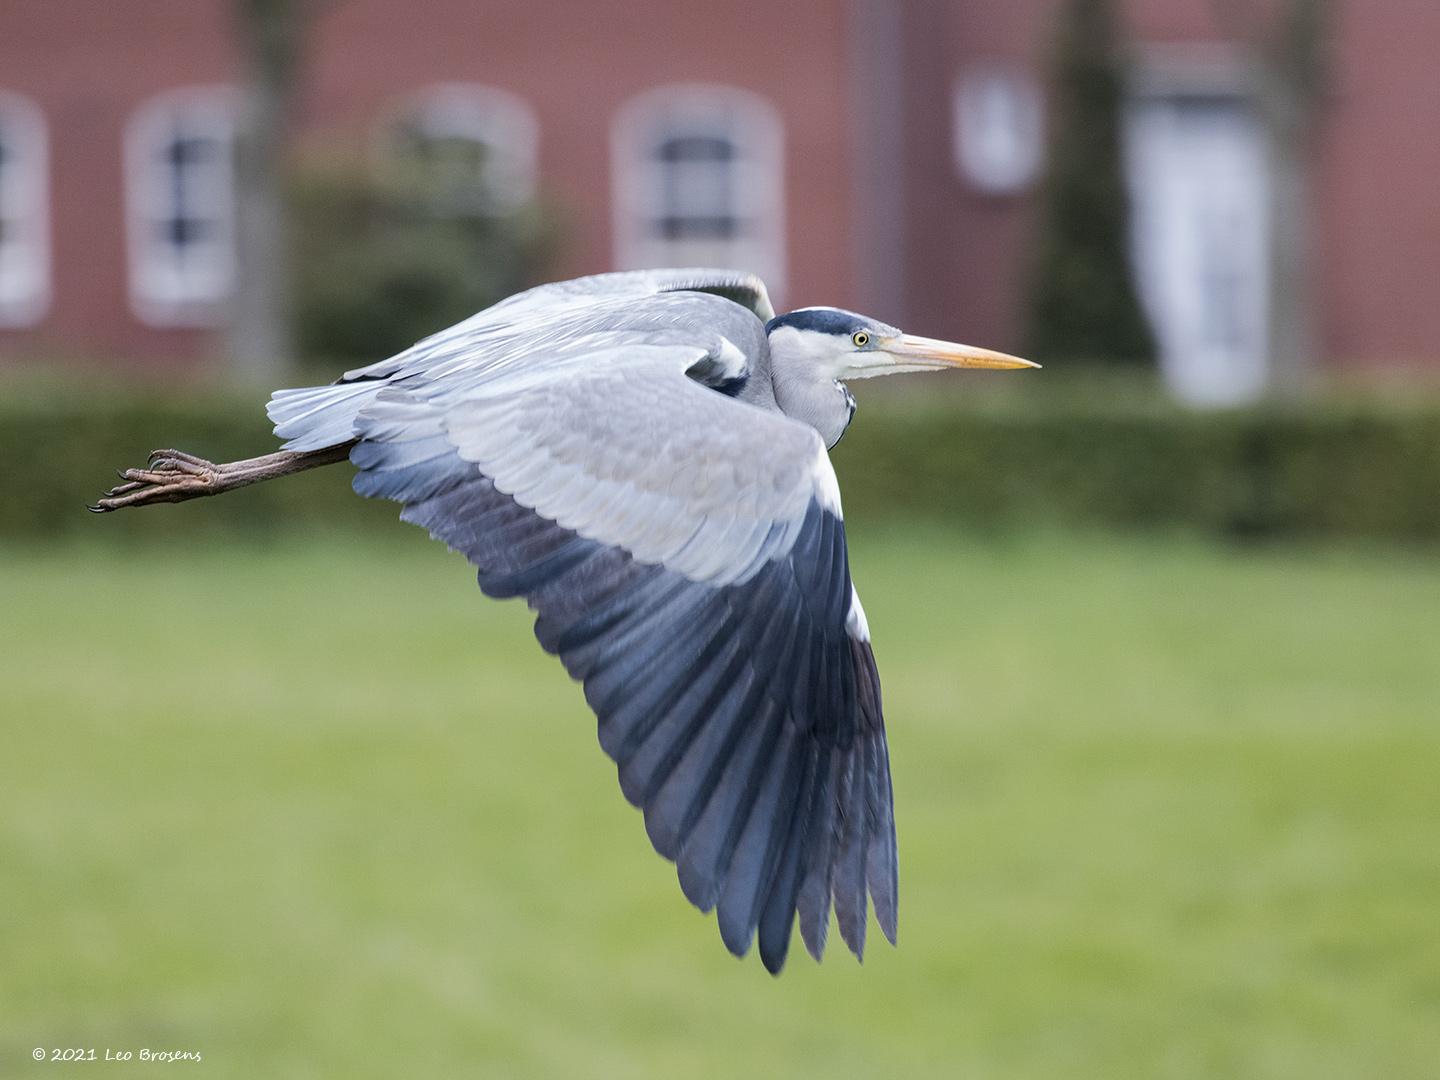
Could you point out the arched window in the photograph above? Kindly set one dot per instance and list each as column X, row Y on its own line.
column 999, row 127
column 478, row 144
column 180, row 195
column 24, row 224
column 699, row 181
column 1201, row 224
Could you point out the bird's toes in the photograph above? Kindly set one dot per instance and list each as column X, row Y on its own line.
column 166, row 480
column 178, row 461
column 180, row 465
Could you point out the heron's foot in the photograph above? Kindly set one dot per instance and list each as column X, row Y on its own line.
column 169, row 476
column 174, row 476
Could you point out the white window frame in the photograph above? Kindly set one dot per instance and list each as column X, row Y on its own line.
column 1201, row 366
column 24, row 213
column 498, row 120
column 757, row 188
column 165, row 291
column 998, row 117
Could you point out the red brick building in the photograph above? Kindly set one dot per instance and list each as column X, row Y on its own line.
column 869, row 153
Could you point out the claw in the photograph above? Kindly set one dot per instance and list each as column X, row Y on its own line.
column 169, row 479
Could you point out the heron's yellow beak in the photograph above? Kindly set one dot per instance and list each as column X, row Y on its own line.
column 929, row 352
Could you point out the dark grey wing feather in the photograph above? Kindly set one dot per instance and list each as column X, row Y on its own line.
column 744, row 719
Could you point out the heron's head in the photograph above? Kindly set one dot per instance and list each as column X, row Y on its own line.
column 843, row 345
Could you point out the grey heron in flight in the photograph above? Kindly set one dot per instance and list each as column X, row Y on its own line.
column 643, row 457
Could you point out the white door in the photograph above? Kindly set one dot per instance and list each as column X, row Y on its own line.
column 1200, row 239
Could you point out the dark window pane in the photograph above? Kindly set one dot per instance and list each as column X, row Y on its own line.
column 185, row 151
column 183, row 156
column 697, row 148
column 180, row 232
column 716, row 227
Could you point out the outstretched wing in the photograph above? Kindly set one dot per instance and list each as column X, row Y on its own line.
column 685, row 555
column 312, row 417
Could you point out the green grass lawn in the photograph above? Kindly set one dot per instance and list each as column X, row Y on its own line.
column 319, row 809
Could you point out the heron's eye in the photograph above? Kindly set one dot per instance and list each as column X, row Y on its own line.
column 860, row 339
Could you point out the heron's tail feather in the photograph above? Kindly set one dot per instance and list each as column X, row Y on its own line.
column 314, row 417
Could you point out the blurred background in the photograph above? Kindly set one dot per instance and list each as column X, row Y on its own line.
column 1158, row 627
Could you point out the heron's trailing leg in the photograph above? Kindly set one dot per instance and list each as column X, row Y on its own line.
column 174, row 476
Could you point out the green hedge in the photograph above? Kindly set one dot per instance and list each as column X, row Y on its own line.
column 1051, row 457
column 61, row 454
column 1363, row 469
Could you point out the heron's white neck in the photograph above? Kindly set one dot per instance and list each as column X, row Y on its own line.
column 804, row 371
